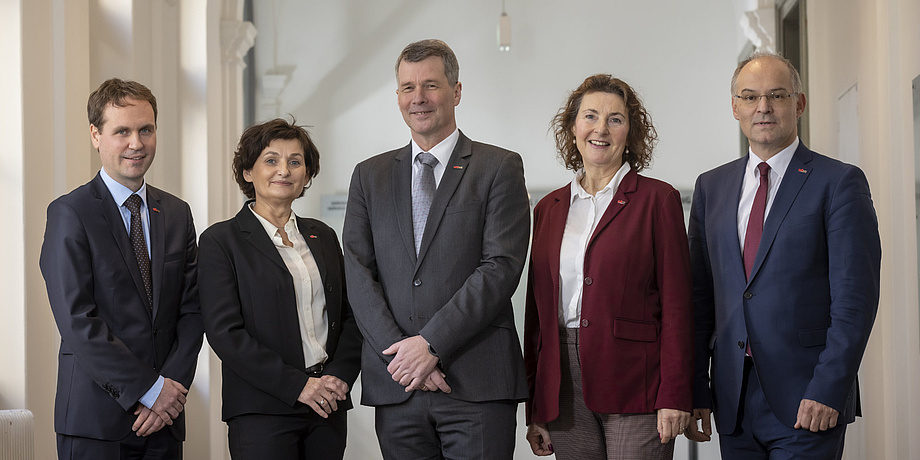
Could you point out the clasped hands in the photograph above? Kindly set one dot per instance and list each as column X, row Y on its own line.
column 168, row 405
column 414, row 367
column 323, row 393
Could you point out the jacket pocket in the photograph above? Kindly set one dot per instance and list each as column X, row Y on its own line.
column 639, row 331
column 813, row 337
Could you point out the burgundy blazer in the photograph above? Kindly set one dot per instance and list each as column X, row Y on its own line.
column 636, row 336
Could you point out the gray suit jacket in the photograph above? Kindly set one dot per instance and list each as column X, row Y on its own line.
column 457, row 292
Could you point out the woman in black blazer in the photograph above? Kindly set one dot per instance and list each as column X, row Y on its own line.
column 275, row 310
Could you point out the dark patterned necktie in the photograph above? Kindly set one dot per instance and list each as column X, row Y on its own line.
column 423, row 190
column 139, row 244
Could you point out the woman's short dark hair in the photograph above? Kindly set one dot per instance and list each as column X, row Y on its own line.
column 642, row 135
column 257, row 137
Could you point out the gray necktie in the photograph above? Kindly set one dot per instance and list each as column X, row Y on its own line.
column 139, row 243
column 423, row 189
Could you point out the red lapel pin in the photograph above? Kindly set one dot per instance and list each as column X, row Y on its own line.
column 621, row 201
column 458, row 167
column 155, row 210
column 314, row 236
column 803, row 171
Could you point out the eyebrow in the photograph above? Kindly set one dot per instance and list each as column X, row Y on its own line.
column 768, row 91
column 611, row 113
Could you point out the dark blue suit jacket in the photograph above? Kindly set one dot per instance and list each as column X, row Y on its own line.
column 811, row 300
column 114, row 344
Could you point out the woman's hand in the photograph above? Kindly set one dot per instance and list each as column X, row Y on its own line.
column 538, row 437
column 671, row 423
column 316, row 395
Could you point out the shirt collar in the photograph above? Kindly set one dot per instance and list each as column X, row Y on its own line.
column 778, row 163
column 289, row 227
column 442, row 150
column 579, row 192
column 119, row 192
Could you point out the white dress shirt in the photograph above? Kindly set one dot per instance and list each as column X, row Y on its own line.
column 585, row 211
column 308, row 288
column 441, row 151
column 778, row 164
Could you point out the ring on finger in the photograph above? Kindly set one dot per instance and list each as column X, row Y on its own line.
column 322, row 401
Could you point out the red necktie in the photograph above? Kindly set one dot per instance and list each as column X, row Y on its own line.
column 755, row 222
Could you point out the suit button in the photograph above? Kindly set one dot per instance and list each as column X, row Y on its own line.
column 748, row 295
column 584, row 323
column 589, row 281
column 332, row 326
column 417, row 283
column 156, row 332
column 410, row 318
column 741, row 344
column 329, row 287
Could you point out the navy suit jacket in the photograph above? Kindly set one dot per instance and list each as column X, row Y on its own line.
column 250, row 313
column 811, row 300
column 114, row 343
column 457, row 292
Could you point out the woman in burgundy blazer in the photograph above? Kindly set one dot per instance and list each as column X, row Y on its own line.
column 608, row 326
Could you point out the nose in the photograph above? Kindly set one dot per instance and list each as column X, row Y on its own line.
column 283, row 169
column 134, row 142
column 601, row 128
column 763, row 104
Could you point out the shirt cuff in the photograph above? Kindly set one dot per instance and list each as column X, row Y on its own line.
column 152, row 394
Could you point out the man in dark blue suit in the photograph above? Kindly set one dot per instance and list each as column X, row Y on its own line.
column 786, row 256
column 119, row 261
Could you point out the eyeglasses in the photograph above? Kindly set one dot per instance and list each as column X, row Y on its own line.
column 776, row 97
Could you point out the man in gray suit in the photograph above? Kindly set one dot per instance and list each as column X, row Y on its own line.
column 435, row 239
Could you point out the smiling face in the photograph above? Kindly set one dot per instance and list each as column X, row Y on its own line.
column 769, row 125
column 427, row 100
column 126, row 141
column 601, row 127
column 279, row 175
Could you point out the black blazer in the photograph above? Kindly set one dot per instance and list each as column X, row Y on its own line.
column 114, row 343
column 250, row 315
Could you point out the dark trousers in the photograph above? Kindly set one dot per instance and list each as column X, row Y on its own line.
column 288, row 437
column 762, row 436
column 161, row 445
column 432, row 425
column 581, row 434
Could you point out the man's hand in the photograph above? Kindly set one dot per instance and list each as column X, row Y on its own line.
column 319, row 397
column 671, row 423
column 171, row 401
column 693, row 432
column 815, row 417
column 147, row 421
column 538, row 437
column 412, row 364
column 435, row 382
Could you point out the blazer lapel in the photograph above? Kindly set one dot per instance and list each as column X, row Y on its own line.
column 725, row 201
column 112, row 215
column 310, row 235
column 796, row 174
column 558, row 213
column 256, row 235
column 453, row 172
column 157, row 243
column 618, row 203
column 401, row 178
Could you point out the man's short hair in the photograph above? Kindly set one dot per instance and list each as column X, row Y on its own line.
column 116, row 92
column 796, row 78
column 424, row 49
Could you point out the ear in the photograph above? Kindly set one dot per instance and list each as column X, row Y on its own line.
column 735, row 108
column 457, row 89
column 94, row 135
column 799, row 105
column 247, row 175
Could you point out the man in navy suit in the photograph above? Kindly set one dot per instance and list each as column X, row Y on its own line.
column 119, row 261
column 786, row 256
